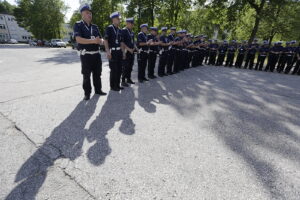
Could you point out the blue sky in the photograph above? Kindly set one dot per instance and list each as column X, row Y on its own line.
column 73, row 4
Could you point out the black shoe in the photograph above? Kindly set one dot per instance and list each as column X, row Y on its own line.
column 150, row 77
column 165, row 74
column 120, row 88
column 130, row 81
column 86, row 97
column 154, row 76
column 115, row 89
column 170, row 73
column 144, row 79
column 125, row 84
column 161, row 75
column 101, row 93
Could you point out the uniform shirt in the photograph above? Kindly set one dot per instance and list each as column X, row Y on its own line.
column 242, row 49
column 231, row 49
column 142, row 38
column 288, row 51
column 114, row 36
column 222, row 49
column 276, row 49
column 164, row 39
column 128, row 37
column 154, row 38
column 83, row 30
column 252, row 48
column 177, row 39
column 171, row 38
column 263, row 51
column 213, row 46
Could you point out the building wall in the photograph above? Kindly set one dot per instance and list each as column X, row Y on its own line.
column 10, row 29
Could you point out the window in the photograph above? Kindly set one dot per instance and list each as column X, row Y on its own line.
column 2, row 26
column 1, row 18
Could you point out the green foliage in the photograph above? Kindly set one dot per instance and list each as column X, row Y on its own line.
column 6, row 8
column 43, row 18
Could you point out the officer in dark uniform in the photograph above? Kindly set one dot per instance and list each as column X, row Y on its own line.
column 143, row 51
column 115, row 52
column 190, row 49
column 221, row 53
column 184, row 51
column 297, row 67
column 178, row 56
column 251, row 52
column 206, row 52
column 241, row 54
column 164, row 51
column 230, row 53
column 171, row 52
column 88, row 37
column 295, row 48
column 128, row 38
column 213, row 48
column 196, row 57
column 288, row 61
column 202, row 50
column 273, row 56
column 153, row 51
column 262, row 54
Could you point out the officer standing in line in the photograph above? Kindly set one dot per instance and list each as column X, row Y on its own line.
column 143, row 46
column 273, row 57
column 184, row 51
column 230, row 53
column 190, row 49
column 221, row 53
column 128, row 38
column 295, row 48
column 288, row 61
column 196, row 51
column 206, row 53
column 251, row 52
column 115, row 51
column 171, row 52
column 297, row 67
column 178, row 56
column 262, row 54
column 241, row 54
column 88, row 37
column 202, row 50
column 153, row 51
column 213, row 47
column 164, row 51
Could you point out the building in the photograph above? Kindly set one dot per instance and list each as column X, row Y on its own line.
column 9, row 29
column 67, row 32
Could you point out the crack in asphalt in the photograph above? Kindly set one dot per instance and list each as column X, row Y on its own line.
column 14, row 126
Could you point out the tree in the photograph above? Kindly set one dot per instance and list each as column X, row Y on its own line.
column 6, row 8
column 43, row 18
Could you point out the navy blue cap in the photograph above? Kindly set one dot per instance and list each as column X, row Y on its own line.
column 114, row 15
column 130, row 20
column 84, row 7
column 164, row 28
column 144, row 25
column 173, row 28
column 154, row 28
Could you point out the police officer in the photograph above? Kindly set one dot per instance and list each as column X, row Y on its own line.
column 184, row 51
column 154, row 43
column 88, row 37
column 273, row 56
column 143, row 50
column 164, row 50
column 202, row 49
column 206, row 52
column 115, row 52
column 262, row 54
column 288, row 61
column 196, row 56
column 241, row 54
column 221, row 53
column 213, row 48
column 128, row 38
column 190, row 49
column 230, row 53
column 171, row 52
column 251, row 52
column 178, row 56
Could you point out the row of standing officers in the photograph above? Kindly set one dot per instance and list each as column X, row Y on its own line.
column 177, row 51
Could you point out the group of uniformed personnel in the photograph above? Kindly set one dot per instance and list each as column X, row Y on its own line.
column 176, row 51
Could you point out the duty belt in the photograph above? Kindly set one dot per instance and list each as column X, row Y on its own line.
column 115, row 48
column 84, row 52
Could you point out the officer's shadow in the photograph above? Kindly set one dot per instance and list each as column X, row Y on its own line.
column 66, row 141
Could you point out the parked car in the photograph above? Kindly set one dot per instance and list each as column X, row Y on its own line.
column 47, row 43
column 13, row 41
column 58, row 43
column 32, row 43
